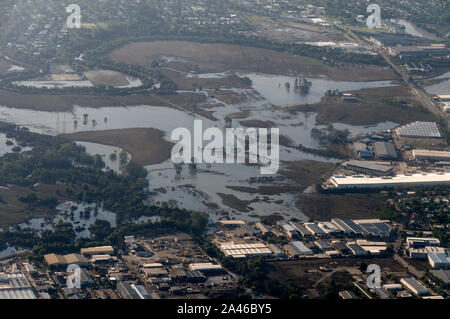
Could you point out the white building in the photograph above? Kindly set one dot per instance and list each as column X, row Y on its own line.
column 361, row 182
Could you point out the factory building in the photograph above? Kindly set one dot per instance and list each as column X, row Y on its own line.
column 15, row 286
column 439, row 260
column 297, row 249
column 64, row 260
column 368, row 168
column 301, row 229
column 101, row 250
column 244, row 250
column 127, row 291
column 419, row 129
column 207, row 268
column 422, row 253
column 357, row 250
column 364, row 182
column 421, row 155
column 385, row 150
column 277, row 251
column 329, row 228
column 413, row 285
column 314, row 229
column 324, row 245
column 342, row 247
column 290, row 231
column 418, row 242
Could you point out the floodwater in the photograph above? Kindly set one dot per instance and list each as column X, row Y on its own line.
column 71, row 212
column 198, row 189
column 442, row 87
column 105, row 151
column 411, row 29
column 273, row 88
column 4, row 148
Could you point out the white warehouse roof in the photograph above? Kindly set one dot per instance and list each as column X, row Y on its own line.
column 399, row 180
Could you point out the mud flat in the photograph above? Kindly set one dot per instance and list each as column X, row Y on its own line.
column 146, row 145
column 214, row 57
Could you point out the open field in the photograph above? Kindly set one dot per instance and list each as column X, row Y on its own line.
column 106, row 77
column 146, row 145
column 306, row 276
column 214, row 57
column 65, row 103
column 371, row 108
column 324, row 207
column 281, row 30
column 306, row 173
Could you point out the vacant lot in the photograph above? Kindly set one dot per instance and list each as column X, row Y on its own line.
column 324, row 207
column 146, row 145
column 306, row 276
column 215, row 57
column 307, row 173
column 106, row 77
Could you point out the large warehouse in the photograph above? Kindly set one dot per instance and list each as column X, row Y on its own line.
column 419, row 129
column 354, row 182
column 421, row 155
column 368, row 168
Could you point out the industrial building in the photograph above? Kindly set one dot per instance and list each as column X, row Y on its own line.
column 439, row 260
column 15, row 286
column 328, row 228
column 413, row 285
column 127, row 291
column 385, row 150
column 368, row 168
column 442, row 274
column 297, row 249
column 342, row 247
column 418, row 242
column 207, row 268
column 324, row 245
column 245, row 250
column 421, row 155
column 64, row 260
column 314, row 229
column 363, row 182
column 277, row 251
column 357, row 250
column 301, row 229
column 363, row 227
column 347, row 295
column 419, row 129
column 290, row 231
column 422, row 253
column 432, row 50
column 97, row 250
